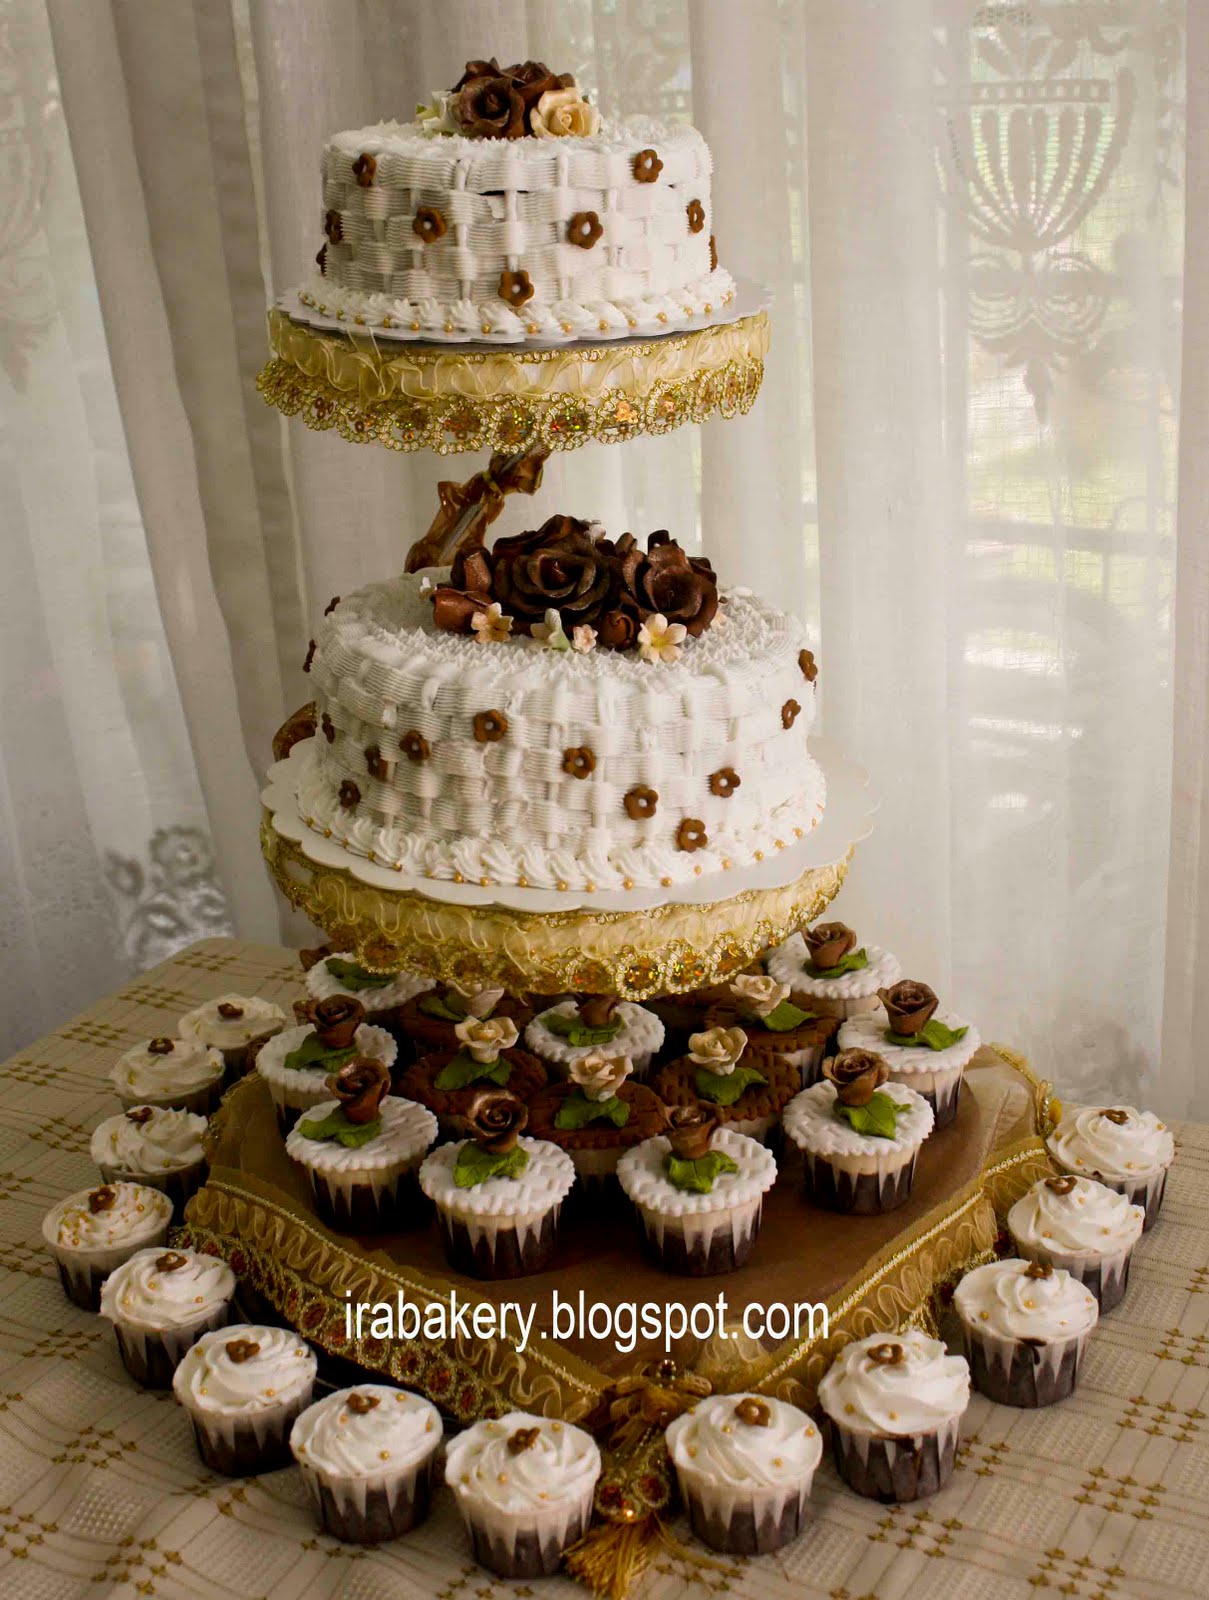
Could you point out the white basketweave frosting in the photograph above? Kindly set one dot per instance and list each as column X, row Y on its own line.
column 560, row 1467
column 810, row 1122
column 927, row 1389
column 641, row 1174
column 138, row 1213
column 868, row 1032
column 545, row 1183
column 1002, row 1300
column 713, row 1444
column 142, row 1072
column 398, row 1431
column 167, row 1141
column 1088, row 1140
column 404, row 986
column 505, row 811
column 640, row 1034
column 140, row 1293
column 271, row 1061
column 1089, row 1220
column 207, row 1025
column 407, row 1131
column 209, row 1378
column 788, row 964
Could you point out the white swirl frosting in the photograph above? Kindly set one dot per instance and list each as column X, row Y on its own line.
column 1003, row 1299
column 135, row 1213
column 916, row 1394
column 144, row 1073
column 163, row 1141
column 381, row 1432
column 218, row 1373
column 208, row 1024
column 404, row 986
column 789, row 963
column 561, row 1463
column 1084, row 1219
column 166, row 1288
column 1116, row 1142
column 715, row 1442
column 810, row 1121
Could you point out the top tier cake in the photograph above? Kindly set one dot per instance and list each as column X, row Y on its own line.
column 510, row 210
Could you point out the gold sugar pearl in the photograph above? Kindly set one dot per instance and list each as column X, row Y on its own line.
column 503, row 1478
column 561, row 886
column 893, row 1415
column 269, row 1394
column 777, row 1462
column 692, row 1450
column 465, row 1478
column 666, row 882
column 383, row 1455
column 759, row 855
column 726, row 1428
column 522, row 883
column 627, row 883
column 415, row 327
column 849, row 1410
column 590, row 886
column 984, row 1316
column 449, row 327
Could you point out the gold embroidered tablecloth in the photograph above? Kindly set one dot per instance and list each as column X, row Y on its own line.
column 1103, row 1498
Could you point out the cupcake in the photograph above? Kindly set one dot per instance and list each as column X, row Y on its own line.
column 297, row 1063
column 152, row 1146
column 597, row 1116
column 1129, row 1151
column 683, row 1014
column 383, row 994
column 498, row 1195
column 174, row 1074
column 1082, row 1226
column 777, row 1029
column 894, row 1405
column 429, row 1020
column 571, row 1029
column 362, row 1150
column 699, row 1192
column 824, row 967
column 368, row 1458
column 235, row 1024
column 926, row 1051
column 1024, row 1326
column 747, row 1090
column 91, row 1233
column 524, row 1486
column 160, row 1302
column 745, row 1465
column 448, row 1081
column 243, row 1387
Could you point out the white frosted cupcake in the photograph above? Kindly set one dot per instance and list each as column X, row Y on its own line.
column 175, row 1074
column 498, row 1196
column 368, row 1457
column 859, row 1135
column 576, row 1028
column 524, row 1486
column 923, row 1047
column 382, row 994
column 1128, row 1150
column 699, row 1192
column 297, row 1063
column 894, row 1404
column 93, row 1232
column 150, row 1145
column 160, row 1302
column 363, row 1149
column 1025, row 1326
column 825, row 966
column 236, row 1025
column 243, row 1388
column 745, row 1465
column 1082, row 1226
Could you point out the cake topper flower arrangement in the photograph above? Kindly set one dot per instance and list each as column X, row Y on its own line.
column 493, row 102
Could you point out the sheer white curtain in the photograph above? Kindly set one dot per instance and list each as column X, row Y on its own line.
column 961, row 471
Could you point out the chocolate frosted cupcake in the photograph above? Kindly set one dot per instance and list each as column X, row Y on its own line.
column 430, row 1019
column 243, row 1387
column 1129, row 1151
column 174, row 1074
column 160, row 1302
column 448, row 1082
column 1082, row 1226
column 683, row 1014
column 575, row 1028
column 235, row 1024
column 297, row 1063
column 746, row 1089
column 362, row 1150
column 498, row 1196
column 778, row 1028
column 368, row 1457
column 745, row 1465
column 926, row 1051
column 1025, row 1326
column 859, row 1135
column 597, row 1116
column 382, row 994
column 91, row 1233
column 699, row 1192
column 152, row 1146
column 828, row 972
column 894, row 1405
column 524, row 1486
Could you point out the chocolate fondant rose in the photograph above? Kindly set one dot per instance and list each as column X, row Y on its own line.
column 532, row 79
column 490, row 108
column 857, row 1074
column 679, row 587
column 596, row 1010
column 559, row 565
column 478, row 69
column 360, row 1086
column 909, row 1005
column 496, row 1120
column 336, row 1020
column 829, row 943
column 690, row 1129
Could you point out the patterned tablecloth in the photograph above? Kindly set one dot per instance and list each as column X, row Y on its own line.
column 101, row 1494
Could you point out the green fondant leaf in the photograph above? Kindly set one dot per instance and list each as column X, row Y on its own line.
column 353, row 977
column 475, row 1165
column 464, row 1070
column 878, row 1117
column 337, row 1129
column 936, row 1035
column 852, row 962
column 577, row 1111
column 312, row 1052
column 698, row 1175
column 576, row 1032
column 724, row 1091
column 786, row 1016
column 434, row 1005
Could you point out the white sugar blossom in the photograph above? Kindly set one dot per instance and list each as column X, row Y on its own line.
column 583, row 638
column 759, row 995
column 660, row 640
column 717, row 1049
column 437, row 117
column 491, row 626
column 600, row 1076
column 485, row 1039
column 549, row 634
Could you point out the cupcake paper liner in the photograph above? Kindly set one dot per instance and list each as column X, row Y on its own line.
column 500, row 1247
column 240, row 1446
column 1022, row 1372
column 529, row 1547
column 899, row 1468
column 151, row 1356
column 1107, row 1276
column 745, row 1522
column 370, row 1202
column 860, row 1185
column 697, row 1245
column 940, row 1088
column 372, row 1510
column 82, row 1272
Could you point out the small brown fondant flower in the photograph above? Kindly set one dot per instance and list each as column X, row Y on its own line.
column 515, row 288
column 331, row 605
column 909, row 1005
column 584, row 229
column 161, row 1046
column 429, row 224
column 361, row 1404
column 523, row 1439
column 328, row 728
column 696, row 216
column 171, row 1261
column 646, row 166
column 140, row 1114
column 364, row 168
column 310, row 655
column 321, row 260
column 1118, row 1117
column 360, row 1086
column 754, row 1413
column 496, row 1119
column 724, row 782
column 713, row 254
column 579, row 762
column 374, row 763
column 490, row 727
column 1039, row 1269
column 807, row 664
column 691, row 835
column 618, row 629
column 229, row 1011
column 856, row 1074
column 640, row 803
column 1063, row 1185
column 336, row 1020
column 241, row 1350
column 690, row 1129
column 350, row 795
column 829, row 943
column 102, row 1199
column 414, row 745
column 489, row 108
column 790, row 713
column 889, row 1354
column 333, row 226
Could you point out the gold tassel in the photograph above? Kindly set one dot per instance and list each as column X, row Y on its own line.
column 611, row 1556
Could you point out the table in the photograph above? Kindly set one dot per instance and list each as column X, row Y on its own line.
column 101, row 1494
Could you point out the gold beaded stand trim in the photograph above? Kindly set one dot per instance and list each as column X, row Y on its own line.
column 452, row 401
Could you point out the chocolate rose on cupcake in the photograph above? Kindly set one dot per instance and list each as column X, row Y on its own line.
column 690, row 1129
column 910, row 1006
column 829, row 943
column 336, row 1020
column 856, row 1074
column 496, row 1120
column 360, row 1086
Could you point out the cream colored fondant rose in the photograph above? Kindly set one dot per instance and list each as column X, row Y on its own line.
column 759, row 995
column 563, row 113
column 717, row 1049
column 478, row 1002
column 600, row 1076
column 486, row 1038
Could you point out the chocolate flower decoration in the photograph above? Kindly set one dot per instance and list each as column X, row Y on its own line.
column 618, row 628
column 713, row 254
column 414, row 746
column 328, row 728
column 102, row 1199
column 241, row 1350
column 790, row 712
column 679, row 587
column 349, row 794
column 489, row 727
column 579, row 762
column 559, row 566
column 646, row 166
column 171, row 1261
column 691, row 835
column 596, row 1010
column 495, row 1120
column 1039, row 1269
column 364, row 168
column 336, row 1020
column 829, row 943
column 333, row 227
column 478, row 69
column 909, row 1005
column 724, row 782
column 515, row 288
column 160, row 1046
column 889, row 1354
column 361, row 1404
column 360, row 1086
column 807, row 665
column 532, row 79
column 690, row 1129
column 140, row 1114
column 754, row 1413
column 1063, row 1185
column 229, row 1011
column 584, row 229
column 1117, row 1117
column 696, row 216
column 523, row 1439
column 856, row 1074
column 428, row 224
column 489, row 108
